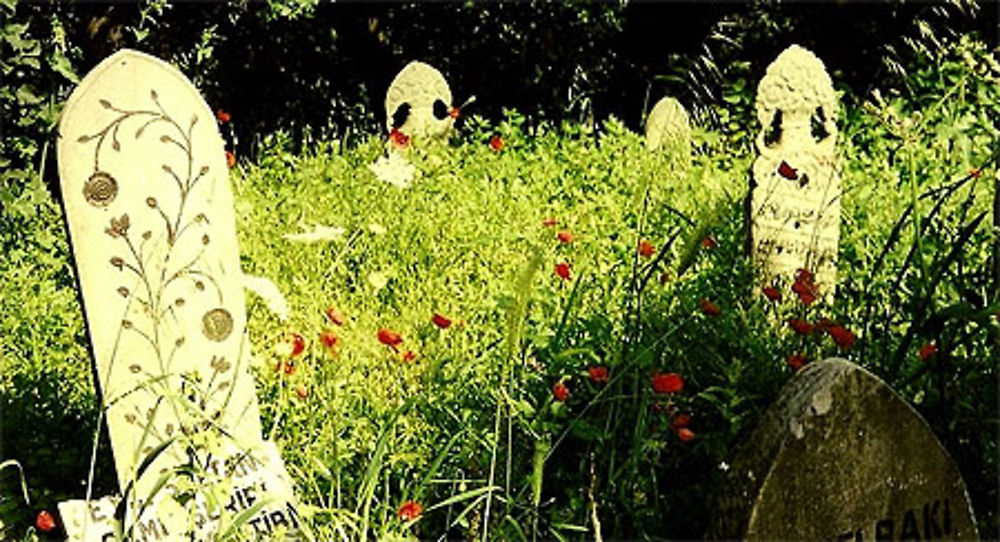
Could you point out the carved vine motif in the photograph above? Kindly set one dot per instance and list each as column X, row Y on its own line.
column 141, row 254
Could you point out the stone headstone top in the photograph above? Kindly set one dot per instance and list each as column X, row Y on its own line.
column 668, row 124
column 419, row 102
column 840, row 456
column 795, row 203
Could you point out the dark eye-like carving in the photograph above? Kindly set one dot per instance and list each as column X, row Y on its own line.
column 817, row 125
column 440, row 109
column 400, row 115
column 772, row 134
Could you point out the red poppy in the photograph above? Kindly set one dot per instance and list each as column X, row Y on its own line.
column 565, row 236
column 454, row 112
column 550, row 221
column 409, row 356
column 805, row 287
column 772, row 293
column 598, row 374
column 679, row 421
column 796, row 361
column 230, row 159
column 928, row 351
column 708, row 242
column 289, row 368
column 410, row 510
column 801, row 326
column 787, row 171
column 399, row 139
column 562, row 270
column 667, row 383
column 45, row 522
column 841, row 336
column 222, row 116
column 335, row 316
column 496, row 143
column 298, row 344
column 389, row 338
column 329, row 339
column 685, row 434
column 646, row 249
column 709, row 308
column 302, row 391
column 560, row 392
column 440, row 320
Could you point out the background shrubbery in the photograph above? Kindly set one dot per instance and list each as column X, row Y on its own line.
column 918, row 261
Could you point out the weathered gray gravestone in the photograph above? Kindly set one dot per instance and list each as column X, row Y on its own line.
column 150, row 214
column 840, row 456
column 795, row 205
column 418, row 102
column 668, row 125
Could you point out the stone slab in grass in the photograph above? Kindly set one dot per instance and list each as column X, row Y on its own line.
column 795, row 201
column 668, row 125
column 418, row 102
column 150, row 212
column 840, row 456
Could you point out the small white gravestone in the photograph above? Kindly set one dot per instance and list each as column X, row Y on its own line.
column 150, row 213
column 668, row 124
column 795, row 201
column 418, row 102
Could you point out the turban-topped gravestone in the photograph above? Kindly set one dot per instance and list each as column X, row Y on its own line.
column 795, row 201
column 418, row 102
column 840, row 456
column 150, row 213
column 668, row 125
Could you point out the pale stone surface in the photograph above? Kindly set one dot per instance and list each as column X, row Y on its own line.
column 418, row 102
column 668, row 124
column 840, row 456
column 795, row 205
column 150, row 213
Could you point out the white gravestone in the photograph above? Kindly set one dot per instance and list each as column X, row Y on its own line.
column 668, row 124
column 150, row 213
column 418, row 102
column 795, row 203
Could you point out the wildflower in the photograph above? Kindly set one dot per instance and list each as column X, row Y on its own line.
column 708, row 242
column 389, row 338
column 45, row 522
column 409, row 356
column 801, row 326
column 329, row 339
column 709, row 308
column 394, row 169
column 796, row 361
column 562, row 270
column 841, row 336
column 685, row 434
column 298, row 344
column 679, row 421
column 398, row 139
column 928, row 351
column 441, row 321
column 410, row 510
column 975, row 173
column 550, row 221
column 772, row 293
column 598, row 374
column 565, row 237
column 560, row 392
column 302, row 391
column 222, row 116
column 454, row 112
column 646, row 248
column 496, row 143
column 787, row 171
column 289, row 368
column 805, row 287
column 335, row 316
column 667, row 383
column 230, row 159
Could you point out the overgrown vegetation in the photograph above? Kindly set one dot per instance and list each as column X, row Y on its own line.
column 549, row 406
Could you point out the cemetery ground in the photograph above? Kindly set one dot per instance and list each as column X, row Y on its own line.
column 551, row 332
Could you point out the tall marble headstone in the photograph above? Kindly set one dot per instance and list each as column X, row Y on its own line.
column 795, row 201
column 418, row 102
column 150, row 214
column 668, row 124
column 840, row 456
